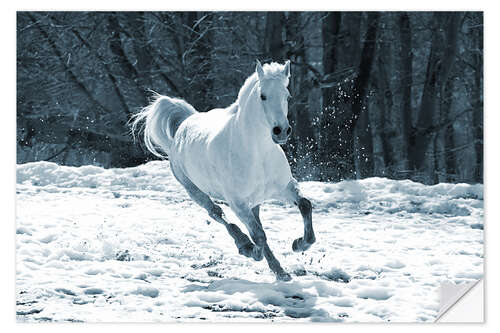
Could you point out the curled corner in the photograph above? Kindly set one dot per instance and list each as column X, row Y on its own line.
column 452, row 298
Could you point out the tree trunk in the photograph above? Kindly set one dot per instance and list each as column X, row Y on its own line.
column 330, row 30
column 477, row 100
column 363, row 156
column 446, row 161
column 338, row 150
column 363, row 137
column 303, row 143
column 360, row 90
column 294, row 36
column 273, row 39
column 420, row 138
column 383, row 158
column 441, row 58
column 406, row 57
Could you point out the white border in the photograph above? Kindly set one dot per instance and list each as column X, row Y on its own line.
column 254, row 5
column 491, row 122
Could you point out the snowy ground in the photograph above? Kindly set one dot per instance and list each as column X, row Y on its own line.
column 125, row 245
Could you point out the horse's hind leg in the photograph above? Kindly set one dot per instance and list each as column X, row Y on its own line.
column 273, row 263
column 245, row 246
column 294, row 196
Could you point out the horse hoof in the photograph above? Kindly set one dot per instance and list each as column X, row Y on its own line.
column 283, row 276
column 300, row 245
column 246, row 250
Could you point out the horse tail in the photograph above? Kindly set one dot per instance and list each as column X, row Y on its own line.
column 160, row 120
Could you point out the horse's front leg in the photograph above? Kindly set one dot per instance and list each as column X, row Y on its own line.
column 257, row 234
column 273, row 263
column 293, row 195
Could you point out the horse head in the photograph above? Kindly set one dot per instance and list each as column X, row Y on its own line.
column 274, row 96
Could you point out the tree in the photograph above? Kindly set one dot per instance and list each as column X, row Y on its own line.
column 441, row 58
column 339, row 162
column 302, row 144
column 406, row 56
column 273, row 40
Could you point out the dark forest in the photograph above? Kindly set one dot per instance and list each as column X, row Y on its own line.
column 385, row 94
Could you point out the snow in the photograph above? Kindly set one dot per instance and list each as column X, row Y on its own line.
column 98, row 245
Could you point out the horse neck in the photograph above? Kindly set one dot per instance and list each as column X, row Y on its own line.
column 251, row 128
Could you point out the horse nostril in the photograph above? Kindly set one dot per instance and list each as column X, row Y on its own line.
column 289, row 130
column 276, row 130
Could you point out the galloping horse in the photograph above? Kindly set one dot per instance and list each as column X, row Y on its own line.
column 233, row 155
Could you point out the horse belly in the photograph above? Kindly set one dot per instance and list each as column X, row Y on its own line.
column 191, row 154
column 201, row 172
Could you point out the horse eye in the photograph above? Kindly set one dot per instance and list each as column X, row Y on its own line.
column 288, row 97
column 263, row 97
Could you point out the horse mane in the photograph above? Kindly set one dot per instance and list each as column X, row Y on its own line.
column 272, row 71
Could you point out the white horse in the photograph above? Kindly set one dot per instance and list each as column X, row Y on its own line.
column 233, row 155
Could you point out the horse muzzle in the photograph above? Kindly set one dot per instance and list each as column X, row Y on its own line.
column 280, row 135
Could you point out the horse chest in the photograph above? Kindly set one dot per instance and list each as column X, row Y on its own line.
column 260, row 179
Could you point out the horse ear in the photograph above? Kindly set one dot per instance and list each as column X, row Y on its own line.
column 287, row 68
column 259, row 70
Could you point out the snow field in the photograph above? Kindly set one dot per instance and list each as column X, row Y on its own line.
column 128, row 244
